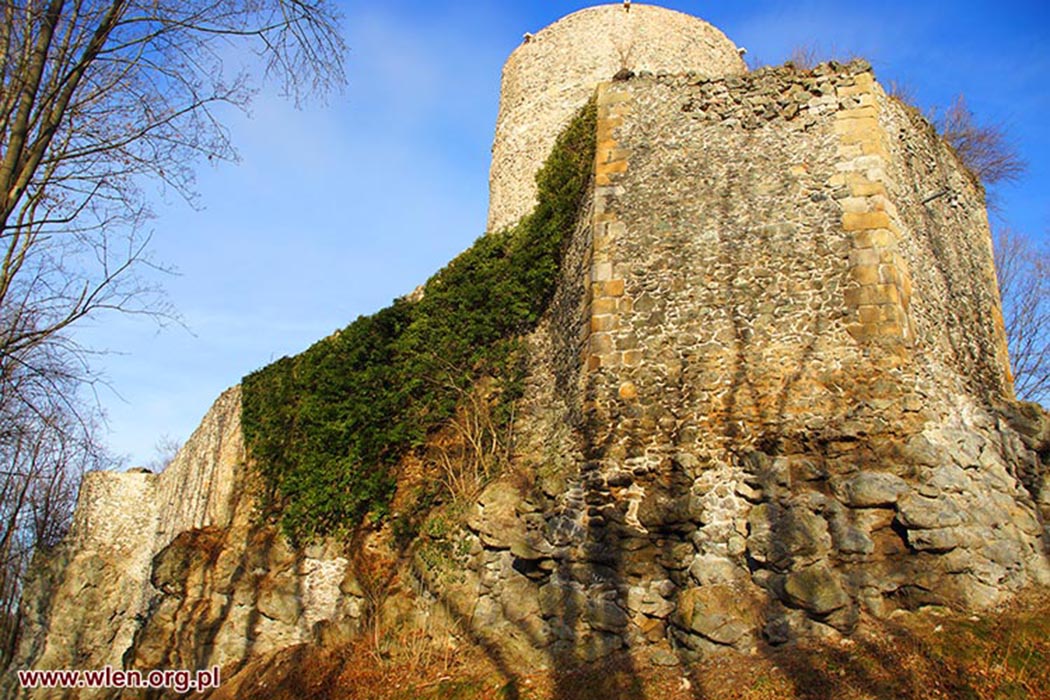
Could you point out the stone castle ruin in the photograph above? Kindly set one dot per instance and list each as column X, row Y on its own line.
column 771, row 398
column 548, row 78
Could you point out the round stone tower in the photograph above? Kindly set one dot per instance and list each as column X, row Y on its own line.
column 555, row 71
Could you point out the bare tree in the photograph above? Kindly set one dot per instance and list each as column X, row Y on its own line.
column 99, row 95
column 983, row 148
column 164, row 451
column 1023, row 272
column 45, row 450
column 98, row 99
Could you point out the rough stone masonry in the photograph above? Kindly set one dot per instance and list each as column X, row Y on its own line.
column 771, row 398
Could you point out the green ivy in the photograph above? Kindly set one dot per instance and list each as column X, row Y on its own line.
column 325, row 428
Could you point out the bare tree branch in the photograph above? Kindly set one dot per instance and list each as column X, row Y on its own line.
column 1023, row 273
column 98, row 97
column 983, row 148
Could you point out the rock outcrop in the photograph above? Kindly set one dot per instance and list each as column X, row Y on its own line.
column 770, row 399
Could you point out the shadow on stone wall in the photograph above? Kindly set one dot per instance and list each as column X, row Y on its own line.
column 577, row 614
column 204, row 576
column 858, row 514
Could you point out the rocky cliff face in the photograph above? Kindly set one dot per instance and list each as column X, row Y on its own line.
column 770, row 399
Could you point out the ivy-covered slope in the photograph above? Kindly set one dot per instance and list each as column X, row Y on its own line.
column 325, row 428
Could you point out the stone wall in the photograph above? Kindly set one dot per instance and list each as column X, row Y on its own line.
column 790, row 384
column 554, row 72
column 98, row 582
column 175, row 570
column 945, row 241
column 781, row 192
column 794, row 316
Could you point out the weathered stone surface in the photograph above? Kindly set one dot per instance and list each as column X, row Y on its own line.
column 279, row 600
column 660, row 509
column 874, row 489
column 566, row 600
column 711, row 569
column 664, row 657
column 942, row 539
column 190, row 550
column 154, row 558
column 549, row 76
column 496, row 519
column 718, row 613
column 950, row 479
column 122, row 521
column 603, row 613
column 920, row 512
column 518, row 598
column 848, row 537
column 651, row 599
column 816, row 588
column 782, row 537
column 1032, row 423
column 564, row 529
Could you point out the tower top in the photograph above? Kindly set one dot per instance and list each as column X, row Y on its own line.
column 555, row 70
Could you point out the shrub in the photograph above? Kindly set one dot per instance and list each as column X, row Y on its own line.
column 983, row 148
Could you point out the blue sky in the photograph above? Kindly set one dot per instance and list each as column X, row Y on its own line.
column 335, row 210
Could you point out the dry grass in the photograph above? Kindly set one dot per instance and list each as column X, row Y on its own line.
column 996, row 656
column 809, row 56
column 902, row 91
column 471, row 447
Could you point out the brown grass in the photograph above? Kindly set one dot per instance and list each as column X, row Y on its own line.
column 809, row 56
column 999, row 655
